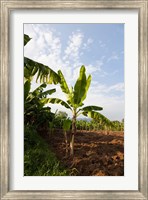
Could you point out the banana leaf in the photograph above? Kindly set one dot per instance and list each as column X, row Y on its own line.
column 97, row 117
column 56, row 101
column 26, row 39
column 44, row 73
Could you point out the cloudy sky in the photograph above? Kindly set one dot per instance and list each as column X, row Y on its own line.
column 100, row 47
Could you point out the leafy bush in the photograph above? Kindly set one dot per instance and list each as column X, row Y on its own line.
column 38, row 159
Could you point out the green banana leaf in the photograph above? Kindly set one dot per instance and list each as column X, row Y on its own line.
column 47, row 92
column 56, row 101
column 97, row 117
column 81, row 87
column 35, row 96
column 64, row 87
column 44, row 73
column 26, row 39
column 63, row 83
column 39, row 89
column 91, row 108
column 88, row 81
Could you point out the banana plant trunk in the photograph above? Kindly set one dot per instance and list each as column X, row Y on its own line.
column 73, row 134
column 66, row 142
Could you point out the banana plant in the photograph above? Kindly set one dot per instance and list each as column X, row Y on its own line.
column 43, row 72
column 32, row 100
column 66, row 127
column 33, row 106
column 75, row 97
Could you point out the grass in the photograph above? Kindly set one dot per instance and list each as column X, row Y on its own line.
column 38, row 159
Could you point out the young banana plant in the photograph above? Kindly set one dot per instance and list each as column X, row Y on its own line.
column 66, row 127
column 75, row 98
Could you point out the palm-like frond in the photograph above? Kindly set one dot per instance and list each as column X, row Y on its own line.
column 55, row 101
column 63, row 83
column 88, row 81
column 64, row 87
column 91, row 108
column 33, row 100
column 81, row 87
column 97, row 117
column 44, row 73
column 47, row 92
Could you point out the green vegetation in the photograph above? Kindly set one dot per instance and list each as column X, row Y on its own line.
column 95, row 125
column 34, row 111
column 38, row 159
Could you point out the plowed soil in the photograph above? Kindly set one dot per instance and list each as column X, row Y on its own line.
column 95, row 153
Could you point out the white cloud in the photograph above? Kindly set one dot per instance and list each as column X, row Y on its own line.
column 99, row 64
column 102, row 44
column 91, row 69
column 99, row 68
column 89, row 41
column 104, row 89
column 114, row 56
column 114, row 72
column 113, row 106
column 106, row 97
column 44, row 47
column 87, row 44
column 117, row 87
column 74, row 45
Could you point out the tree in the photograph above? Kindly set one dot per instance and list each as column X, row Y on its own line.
column 75, row 97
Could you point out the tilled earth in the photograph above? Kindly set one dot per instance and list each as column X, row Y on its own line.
column 95, row 153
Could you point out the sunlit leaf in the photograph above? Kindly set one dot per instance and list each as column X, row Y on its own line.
column 97, row 117
column 91, row 108
column 55, row 101
column 44, row 73
column 88, row 81
column 63, row 83
column 47, row 92
column 79, row 88
column 39, row 89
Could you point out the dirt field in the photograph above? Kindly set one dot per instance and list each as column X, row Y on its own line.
column 95, row 153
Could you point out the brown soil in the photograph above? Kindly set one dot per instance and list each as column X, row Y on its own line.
column 95, row 153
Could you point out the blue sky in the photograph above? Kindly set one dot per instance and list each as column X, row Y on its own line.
column 100, row 47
